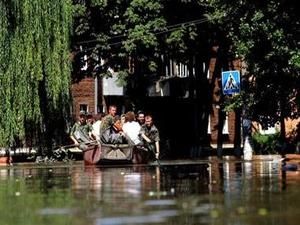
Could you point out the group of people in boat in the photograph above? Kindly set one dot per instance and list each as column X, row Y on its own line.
column 129, row 128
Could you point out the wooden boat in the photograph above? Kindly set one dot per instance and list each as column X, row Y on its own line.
column 115, row 154
column 9, row 155
column 292, row 157
column 291, row 162
column 5, row 160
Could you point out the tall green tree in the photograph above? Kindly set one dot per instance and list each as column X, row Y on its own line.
column 119, row 32
column 138, row 37
column 265, row 35
column 34, row 71
column 137, row 33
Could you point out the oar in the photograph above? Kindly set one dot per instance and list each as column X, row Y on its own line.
column 158, row 162
column 76, row 145
column 149, row 146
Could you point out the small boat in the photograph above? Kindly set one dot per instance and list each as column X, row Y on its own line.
column 291, row 162
column 99, row 154
column 10, row 155
column 292, row 157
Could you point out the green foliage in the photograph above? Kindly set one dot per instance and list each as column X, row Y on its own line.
column 233, row 103
column 143, row 19
column 120, row 30
column 295, row 59
column 263, row 34
column 35, row 70
column 141, row 30
column 122, row 76
column 152, row 66
column 100, row 3
column 266, row 143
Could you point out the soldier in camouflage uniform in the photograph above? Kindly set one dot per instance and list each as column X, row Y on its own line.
column 150, row 135
column 80, row 131
column 107, row 120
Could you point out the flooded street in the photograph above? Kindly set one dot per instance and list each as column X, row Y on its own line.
column 176, row 192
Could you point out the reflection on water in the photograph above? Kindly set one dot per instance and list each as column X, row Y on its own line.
column 204, row 192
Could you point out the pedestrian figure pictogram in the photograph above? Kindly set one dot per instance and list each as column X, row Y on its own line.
column 231, row 82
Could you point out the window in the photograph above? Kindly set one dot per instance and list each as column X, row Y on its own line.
column 225, row 126
column 208, row 128
column 84, row 108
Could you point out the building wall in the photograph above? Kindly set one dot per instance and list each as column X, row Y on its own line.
column 229, row 132
column 291, row 128
column 83, row 93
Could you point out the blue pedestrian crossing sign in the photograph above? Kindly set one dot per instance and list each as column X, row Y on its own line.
column 231, row 82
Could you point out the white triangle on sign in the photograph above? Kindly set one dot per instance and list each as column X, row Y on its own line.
column 230, row 83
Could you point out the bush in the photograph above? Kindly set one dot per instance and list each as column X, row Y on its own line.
column 266, row 143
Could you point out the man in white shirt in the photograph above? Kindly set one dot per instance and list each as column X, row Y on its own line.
column 132, row 128
column 96, row 127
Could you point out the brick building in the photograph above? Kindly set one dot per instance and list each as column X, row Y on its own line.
column 84, row 96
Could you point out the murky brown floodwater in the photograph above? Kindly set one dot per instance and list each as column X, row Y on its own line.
column 198, row 192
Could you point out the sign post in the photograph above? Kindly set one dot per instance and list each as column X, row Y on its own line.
column 231, row 82
column 231, row 85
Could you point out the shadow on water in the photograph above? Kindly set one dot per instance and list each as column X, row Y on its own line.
column 205, row 192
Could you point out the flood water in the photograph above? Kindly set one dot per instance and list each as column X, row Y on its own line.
column 178, row 192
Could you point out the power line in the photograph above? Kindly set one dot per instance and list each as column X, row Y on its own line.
column 169, row 29
column 175, row 28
